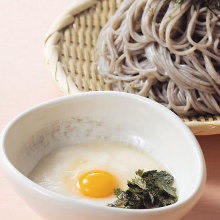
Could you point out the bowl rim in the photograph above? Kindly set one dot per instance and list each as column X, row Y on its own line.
column 17, row 176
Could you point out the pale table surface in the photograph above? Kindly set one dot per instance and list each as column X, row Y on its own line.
column 24, row 82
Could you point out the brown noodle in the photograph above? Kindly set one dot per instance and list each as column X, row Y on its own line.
column 167, row 52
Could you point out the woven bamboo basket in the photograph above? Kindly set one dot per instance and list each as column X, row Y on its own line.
column 70, row 47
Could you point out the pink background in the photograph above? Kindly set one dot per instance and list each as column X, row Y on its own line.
column 25, row 81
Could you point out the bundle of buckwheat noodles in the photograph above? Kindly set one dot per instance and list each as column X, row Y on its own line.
column 166, row 51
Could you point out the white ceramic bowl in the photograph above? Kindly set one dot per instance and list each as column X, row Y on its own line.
column 98, row 116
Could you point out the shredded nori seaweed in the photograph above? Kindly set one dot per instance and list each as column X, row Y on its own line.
column 210, row 4
column 151, row 189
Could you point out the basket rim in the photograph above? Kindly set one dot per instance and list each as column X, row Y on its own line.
column 65, row 83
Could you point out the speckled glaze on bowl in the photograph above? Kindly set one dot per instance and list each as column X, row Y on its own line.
column 90, row 116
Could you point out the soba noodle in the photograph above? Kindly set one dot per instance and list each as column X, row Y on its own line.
column 164, row 51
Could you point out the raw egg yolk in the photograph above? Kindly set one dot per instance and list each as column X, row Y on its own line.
column 96, row 184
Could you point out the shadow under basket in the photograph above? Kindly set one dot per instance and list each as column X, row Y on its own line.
column 70, row 48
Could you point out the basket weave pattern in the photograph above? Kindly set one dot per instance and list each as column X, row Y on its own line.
column 70, row 49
